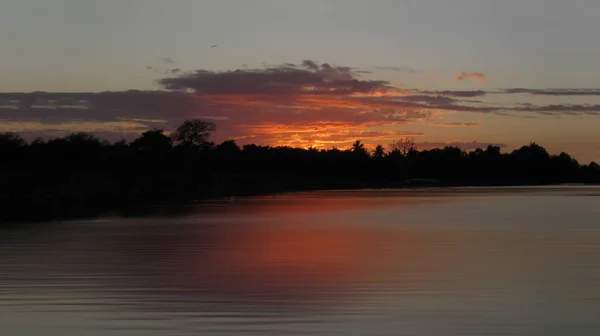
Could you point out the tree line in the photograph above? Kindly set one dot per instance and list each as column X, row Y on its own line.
column 80, row 175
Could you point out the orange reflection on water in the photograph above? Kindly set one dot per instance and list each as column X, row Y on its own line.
column 299, row 262
column 291, row 259
column 321, row 202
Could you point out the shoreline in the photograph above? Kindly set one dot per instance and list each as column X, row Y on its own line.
column 175, row 207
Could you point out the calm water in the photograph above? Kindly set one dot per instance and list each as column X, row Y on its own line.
column 509, row 261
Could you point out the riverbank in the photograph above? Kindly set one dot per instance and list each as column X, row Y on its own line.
column 70, row 208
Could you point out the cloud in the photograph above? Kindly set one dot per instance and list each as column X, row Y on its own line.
column 403, row 70
column 61, row 108
column 310, row 65
column 167, row 60
column 555, row 92
column 310, row 103
column 433, row 100
column 559, row 109
column 322, row 135
column 125, row 126
column 282, row 81
column 293, row 97
column 464, row 94
column 476, row 76
column 455, row 124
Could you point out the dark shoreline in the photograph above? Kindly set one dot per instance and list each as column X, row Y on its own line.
column 174, row 208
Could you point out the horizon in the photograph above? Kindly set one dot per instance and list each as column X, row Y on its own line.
column 370, row 150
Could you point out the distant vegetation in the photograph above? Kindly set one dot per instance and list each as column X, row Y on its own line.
column 80, row 175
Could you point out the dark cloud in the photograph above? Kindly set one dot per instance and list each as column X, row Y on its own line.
column 110, row 136
column 464, row 94
column 310, row 65
column 433, row 100
column 559, row 109
column 55, row 108
column 555, row 92
column 285, row 80
column 403, row 70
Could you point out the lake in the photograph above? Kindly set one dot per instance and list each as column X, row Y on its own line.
column 461, row 261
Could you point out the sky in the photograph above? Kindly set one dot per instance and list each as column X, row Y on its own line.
column 308, row 73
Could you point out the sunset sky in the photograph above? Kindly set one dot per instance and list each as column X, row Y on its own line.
column 308, row 73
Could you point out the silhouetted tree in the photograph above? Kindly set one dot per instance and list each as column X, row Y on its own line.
column 11, row 146
column 531, row 163
column 11, row 140
column 492, row 150
column 194, row 132
column 358, row 148
column 228, row 148
column 563, row 166
column 404, row 146
column 379, row 152
column 83, row 138
column 153, row 141
column 395, row 154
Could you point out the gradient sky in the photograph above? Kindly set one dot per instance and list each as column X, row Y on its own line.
column 420, row 48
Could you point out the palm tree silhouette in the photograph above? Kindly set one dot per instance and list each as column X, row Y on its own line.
column 379, row 152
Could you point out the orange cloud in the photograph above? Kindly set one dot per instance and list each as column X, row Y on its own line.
column 476, row 76
column 455, row 124
column 321, row 134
